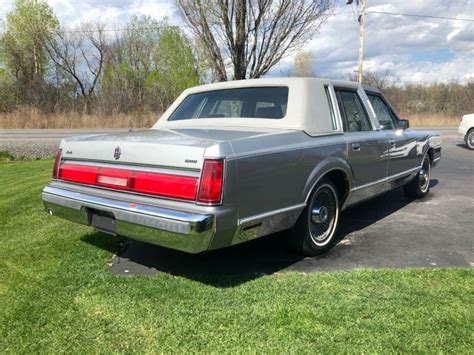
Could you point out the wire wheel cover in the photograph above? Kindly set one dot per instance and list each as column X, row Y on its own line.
column 425, row 175
column 323, row 214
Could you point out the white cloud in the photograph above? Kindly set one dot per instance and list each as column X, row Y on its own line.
column 414, row 49
column 114, row 13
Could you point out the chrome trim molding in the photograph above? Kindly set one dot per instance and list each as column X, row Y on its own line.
column 131, row 165
column 267, row 223
column 143, row 209
column 131, row 193
column 388, row 178
column 122, row 165
column 264, row 215
column 189, row 232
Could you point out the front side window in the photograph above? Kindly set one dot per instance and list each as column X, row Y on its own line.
column 382, row 111
column 352, row 110
column 257, row 102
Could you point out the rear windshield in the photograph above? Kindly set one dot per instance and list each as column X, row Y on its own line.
column 256, row 102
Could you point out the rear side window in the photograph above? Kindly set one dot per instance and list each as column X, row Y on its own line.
column 355, row 117
column 382, row 111
column 257, row 102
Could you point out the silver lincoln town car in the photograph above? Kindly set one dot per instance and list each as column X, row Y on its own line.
column 234, row 161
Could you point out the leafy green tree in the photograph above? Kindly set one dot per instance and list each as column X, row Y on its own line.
column 129, row 64
column 7, row 91
column 148, row 66
column 28, row 27
column 176, row 65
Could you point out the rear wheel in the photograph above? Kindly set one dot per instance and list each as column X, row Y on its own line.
column 314, row 232
column 470, row 139
column 420, row 185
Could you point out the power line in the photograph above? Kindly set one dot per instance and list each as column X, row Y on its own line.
column 336, row 13
column 125, row 29
column 423, row 16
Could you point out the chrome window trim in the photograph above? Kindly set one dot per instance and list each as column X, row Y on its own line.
column 332, row 104
column 340, row 124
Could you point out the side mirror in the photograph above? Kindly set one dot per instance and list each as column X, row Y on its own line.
column 403, row 124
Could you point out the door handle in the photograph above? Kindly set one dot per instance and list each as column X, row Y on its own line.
column 355, row 147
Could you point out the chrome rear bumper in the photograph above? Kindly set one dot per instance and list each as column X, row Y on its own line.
column 184, row 231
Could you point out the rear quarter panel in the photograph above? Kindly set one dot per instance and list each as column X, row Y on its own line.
column 279, row 171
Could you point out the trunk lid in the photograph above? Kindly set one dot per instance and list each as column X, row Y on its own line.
column 176, row 148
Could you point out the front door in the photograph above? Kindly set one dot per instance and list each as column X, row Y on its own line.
column 403, row 147
column 367, row 149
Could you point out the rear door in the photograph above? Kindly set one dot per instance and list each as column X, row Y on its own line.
column 402, row 150
column 367, row 148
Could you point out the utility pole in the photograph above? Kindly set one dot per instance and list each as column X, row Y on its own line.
column 361, row 10
column 361, row 40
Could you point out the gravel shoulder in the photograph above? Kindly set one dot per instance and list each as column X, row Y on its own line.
column 40, row 143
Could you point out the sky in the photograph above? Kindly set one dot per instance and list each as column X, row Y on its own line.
column 415, row 50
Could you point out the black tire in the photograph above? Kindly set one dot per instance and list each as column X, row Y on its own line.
column 420, row 186
column 469, row 139
column 311, row 237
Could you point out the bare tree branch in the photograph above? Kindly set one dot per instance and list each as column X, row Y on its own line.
column 254, row 35
column 81, row 56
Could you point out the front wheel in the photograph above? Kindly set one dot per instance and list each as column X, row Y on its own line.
column 314, row 232
column 420, row 185
column 470, row 139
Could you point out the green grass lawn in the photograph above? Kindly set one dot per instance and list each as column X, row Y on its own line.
column 56, row 294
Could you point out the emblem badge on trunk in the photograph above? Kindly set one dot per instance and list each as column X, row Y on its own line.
column 117, row 153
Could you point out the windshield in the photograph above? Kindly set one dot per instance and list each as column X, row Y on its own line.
column 256, row 102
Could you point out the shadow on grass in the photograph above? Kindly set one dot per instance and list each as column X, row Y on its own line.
column 241, row 263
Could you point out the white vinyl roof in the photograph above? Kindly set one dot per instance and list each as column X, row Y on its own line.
column 307, row 108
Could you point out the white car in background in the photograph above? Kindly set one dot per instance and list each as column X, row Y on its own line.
column 466, row 130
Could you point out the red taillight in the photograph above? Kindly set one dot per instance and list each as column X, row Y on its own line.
column 166, row 185
column 212, row 181
column 181, row 187
column 81, row 174
column 57, row 161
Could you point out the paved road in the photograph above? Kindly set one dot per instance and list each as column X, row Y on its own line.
column 389, row 231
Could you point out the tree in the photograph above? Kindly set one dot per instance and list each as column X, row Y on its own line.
column 129, row 64
column 148, row 67
column 252, row 35
column 80, row 54
column 303, row 65
column 28, row 27
column 176, row 66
